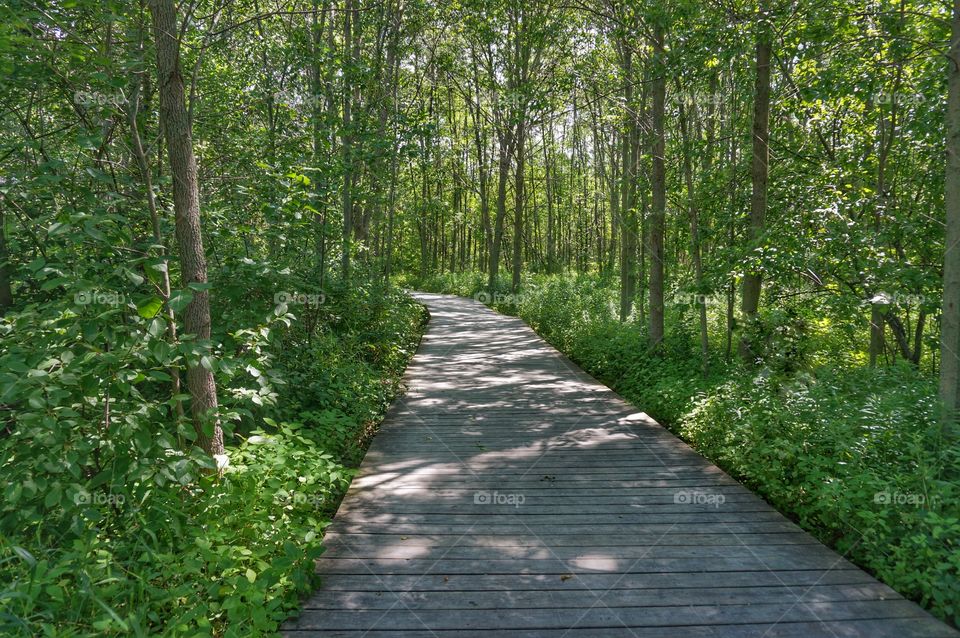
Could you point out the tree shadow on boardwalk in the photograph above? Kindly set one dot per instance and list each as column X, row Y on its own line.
column 509, row 494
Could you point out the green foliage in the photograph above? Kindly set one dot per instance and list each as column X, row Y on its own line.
column 856, row 456
column 109, row 528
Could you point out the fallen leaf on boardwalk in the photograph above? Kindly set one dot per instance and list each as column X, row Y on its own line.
column 566, row 577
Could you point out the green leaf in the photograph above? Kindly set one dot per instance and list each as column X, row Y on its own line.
column 148, row 309
column 50, row 284
column 161, row 351
column 53, row 496
column 180, row 299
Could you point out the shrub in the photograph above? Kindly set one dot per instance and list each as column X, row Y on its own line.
column 112, row 524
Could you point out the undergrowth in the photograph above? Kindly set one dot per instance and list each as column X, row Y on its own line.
column 112, row 524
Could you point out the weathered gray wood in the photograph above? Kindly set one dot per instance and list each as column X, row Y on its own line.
column 715, row 516
column 510, row 495
column 539, row 529
column 895, row 628
column 600, row 563
column 585, row 581
column 594, row 614
column 572, row 599
column 569, row 540
column 885, row 628
column 604, row 558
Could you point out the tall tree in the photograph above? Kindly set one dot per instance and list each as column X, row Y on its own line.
column 694, row 215
column 349, row 67
column 659, row 195
column 760, row 136
column 6, row 289
column 628, row 181
column 950, row 321
column 177, row 130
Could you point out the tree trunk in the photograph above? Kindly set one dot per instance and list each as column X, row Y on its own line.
column 695, row 255
column 6, row 291
column 887, row 135
column 759, row 172
column 548, row 183
column 659, row 195
column 518, row 207
column 628, row 229
column 950, row 321
column 316, row 28
column 506, row 149
column 347, row 138
column 186, row 203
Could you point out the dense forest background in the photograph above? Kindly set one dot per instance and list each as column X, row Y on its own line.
column 736, row 214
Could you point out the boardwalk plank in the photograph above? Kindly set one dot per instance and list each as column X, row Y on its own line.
column 594, row 614
column 572, row 599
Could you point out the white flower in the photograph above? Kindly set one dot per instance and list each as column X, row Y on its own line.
column 223, row 461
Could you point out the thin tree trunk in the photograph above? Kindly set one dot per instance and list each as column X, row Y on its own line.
column 695, row 255
column 950, row 321
column 659, row 198
column 316, row 28
column 6, row 290
column 750, row 302
column 506, row 149
column 518, row 207
column 347, row 138
column 186, row 203
column 731, row 229
column 628, row 229
column 548, row 183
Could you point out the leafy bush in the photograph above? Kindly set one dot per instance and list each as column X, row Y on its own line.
column 855, row 455
column 112, row 524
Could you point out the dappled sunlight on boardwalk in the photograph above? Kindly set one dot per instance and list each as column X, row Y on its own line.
column 510, row 494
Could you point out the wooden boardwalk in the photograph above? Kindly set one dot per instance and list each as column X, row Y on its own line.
column 510, row 494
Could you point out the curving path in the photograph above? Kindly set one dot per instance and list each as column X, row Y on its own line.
column 510, row 494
